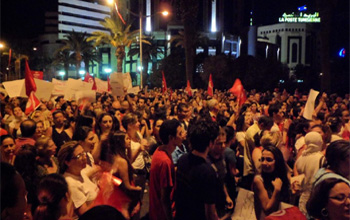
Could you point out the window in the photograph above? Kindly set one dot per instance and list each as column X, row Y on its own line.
column 294, row 53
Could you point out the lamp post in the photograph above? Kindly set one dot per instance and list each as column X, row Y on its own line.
column 140, row 15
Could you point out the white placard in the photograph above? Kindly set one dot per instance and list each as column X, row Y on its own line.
column 59, row 87
column 310, row 104
column 86, row 95
column 244, row 209
column 15, row 88
column 102, row 86
column 75, row 85
column 43, row 89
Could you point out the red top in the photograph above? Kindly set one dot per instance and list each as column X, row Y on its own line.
column 162, row 175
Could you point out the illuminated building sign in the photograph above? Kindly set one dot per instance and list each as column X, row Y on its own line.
column 300, row 18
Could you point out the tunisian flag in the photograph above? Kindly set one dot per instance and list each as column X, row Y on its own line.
column 29, row 80
column 38, row 74
column 164, row 87
column 210, row 86
column 88, row 78
column 32, row 104
column 238, row 90
column 188, row 88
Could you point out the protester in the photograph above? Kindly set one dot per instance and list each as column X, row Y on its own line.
column 7, row 149
column 72, row 160
column 162, row 173
column 53, row 198
column 13, row 193
column 196, row 181
column 272, row 186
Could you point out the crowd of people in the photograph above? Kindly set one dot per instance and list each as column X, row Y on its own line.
column 191, row 155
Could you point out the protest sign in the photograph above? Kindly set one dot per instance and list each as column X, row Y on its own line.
column 15, row 88
column 310, row 104
column 118, row 82
column 59, row 87
column 44, row 89
column 75, row 85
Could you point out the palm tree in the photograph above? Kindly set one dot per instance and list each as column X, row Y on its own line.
column 119, row 36
column 18, row 58
column 189, row 13
column 149, row 52
column 77, row 44
column 63, row 57
column 90, row 56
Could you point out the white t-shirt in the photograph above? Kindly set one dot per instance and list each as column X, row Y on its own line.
column 81, row 188
column 139, row 162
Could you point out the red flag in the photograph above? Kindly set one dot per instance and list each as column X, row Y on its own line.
column 29, row 80
column 32, row 104
column 108, row 84
column 164, row 87
column 238, row 90
column 188, row 88
column 210, row 86
column 88, row 78
column 38, row 74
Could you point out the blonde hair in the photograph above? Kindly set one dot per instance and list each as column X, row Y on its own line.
column 271, row 138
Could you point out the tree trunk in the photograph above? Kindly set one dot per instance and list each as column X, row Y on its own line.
column 120, row 55
column 326, row 8
column 189, row 10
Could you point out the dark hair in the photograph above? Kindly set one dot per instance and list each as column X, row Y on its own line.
column 240, row 123
column 129, row 118
column 84, row 120
column 3, row 137
column 52, row 189
column 28, row 128
column 27, row 166
column 334, row 123
column 266, row 121
column 81, row 133
column 9, row 189
column 337, row 152
column 115, row 125
column 230, row 133
column 108, row 213
column 115, row 145
column 201, row 133
column 274, row 109
column 57, row 112
column 167, row 129
column 65, row 154
column 280, row 171
column 319, row 197
column 181, row 106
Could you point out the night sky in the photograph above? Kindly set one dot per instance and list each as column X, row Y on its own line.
column 25, row 18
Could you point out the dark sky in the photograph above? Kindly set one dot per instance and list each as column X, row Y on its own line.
column 25, row 18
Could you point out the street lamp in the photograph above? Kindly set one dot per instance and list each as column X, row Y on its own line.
column 140, row 15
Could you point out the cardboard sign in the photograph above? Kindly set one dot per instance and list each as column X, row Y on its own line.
column 59, row 87
column 75, row 85
column 82, row 96
column 102, row 86
column 244, row 209
column 44, row 89
column 310, row 104
column 15, row 88
column 134, row 90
